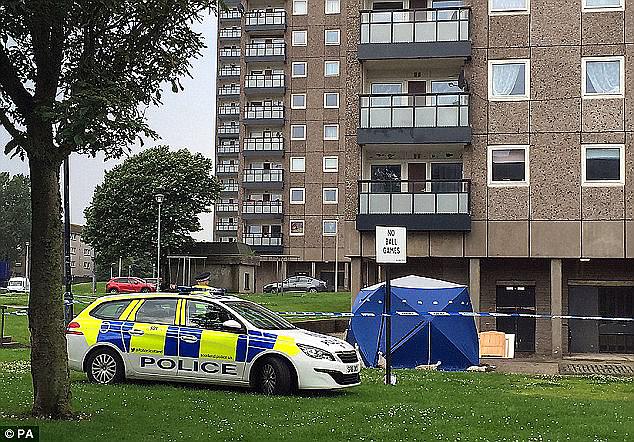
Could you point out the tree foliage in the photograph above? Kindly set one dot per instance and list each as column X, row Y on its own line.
column 15, row 214
column 121, row 220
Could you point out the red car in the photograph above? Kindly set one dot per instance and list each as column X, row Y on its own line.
column 129, row 285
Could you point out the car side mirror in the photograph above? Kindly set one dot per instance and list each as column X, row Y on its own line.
column 232, row 324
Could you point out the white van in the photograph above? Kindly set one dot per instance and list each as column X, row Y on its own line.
column 18, row 284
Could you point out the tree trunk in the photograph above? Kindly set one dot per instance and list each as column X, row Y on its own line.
column 49, row 358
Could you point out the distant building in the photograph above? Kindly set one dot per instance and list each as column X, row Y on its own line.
column 82, row 255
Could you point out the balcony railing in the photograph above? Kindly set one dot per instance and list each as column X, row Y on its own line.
column 262, row 207
column 262, row 239
column 414, row 197
column 229, row 130
column 226, row 207
column 231, row 14
column 263, row 175
column 228, row 149
column 228, row 110
column 228, row 90
column 226, row 227
column 226, row 168
column 230, row 33
column 266, row 112
column 265, row 50
column 229, row 71
column 229, row 187
column 265, row 18
column 229, row 52
column 415, row 25
column 264, row 81
column 424, row 110
column 266, row 144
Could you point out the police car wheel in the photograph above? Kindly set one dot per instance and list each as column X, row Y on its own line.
column 275, row 377
column 104, row 367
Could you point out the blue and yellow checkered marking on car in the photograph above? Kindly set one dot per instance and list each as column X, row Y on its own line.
column 114, row 332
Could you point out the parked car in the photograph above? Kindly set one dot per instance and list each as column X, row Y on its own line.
column 18, row 284
column 129, row 285
column 297, row 284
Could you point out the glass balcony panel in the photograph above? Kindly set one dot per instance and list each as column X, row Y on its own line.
column 463, row 203
column 402, row 117
column 381, row 17
column 447, row 117
column 363, row 203
column 380, row 117
column 447, row 203
column 402, row 203
column 425, row 117
column 424, row 203
column 464, row 116
column 365, row 118
column 365, row 33
column 379, row 203
column 381, row 33
column 403, row 32
column 425, row 32
column 464, row 30
column 448, row 31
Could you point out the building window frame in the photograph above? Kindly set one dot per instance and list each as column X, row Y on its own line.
column 297, row 189
column 302, row 138
column 323, row 227
column 336, row 32
column 584, row 72
column 330, row 189
column 300, row 11
column 509, row 11
column 295, row 36
column 601, row 8
column 299, row 63
column 338, row 68
column 293, row 105
column 299, row 222
column 329, row 138
column 603, row 183
column 326, row 94
column 331, row 169
column 336, row 9
column 523, row 183
column 301, row 166
column 527, row 80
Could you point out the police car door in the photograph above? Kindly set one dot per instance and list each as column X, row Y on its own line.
column 209, row 350
column 154, row 338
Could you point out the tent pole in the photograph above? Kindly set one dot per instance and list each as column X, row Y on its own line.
column 388, row 326
column 429, row 344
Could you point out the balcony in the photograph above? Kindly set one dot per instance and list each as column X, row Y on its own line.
column 265, row 22
column 230, row 34
column 265, row 52
column 228, row 150
column 228, row 112
column 264, row 242
column 230, row 15
column 263, row 179
column 266, row 146
column 229, row 54
column 229, row 91
column 226, row 227
column 262, row 209
column 264, row 84
column 227, row 131
column 414, row 119
column 226, row 207
column 226, row 169
column 227, row 72
column 415, row 34
column 264, row 115
column 229, row 188
column 440, row 205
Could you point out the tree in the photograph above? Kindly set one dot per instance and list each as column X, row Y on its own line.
column 76, row 76
column 121, row 220
column 15, row 214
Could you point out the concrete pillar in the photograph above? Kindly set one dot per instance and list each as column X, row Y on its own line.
column 474, row 287
column 556, row 302
column 355, row 277
column 346, row 275
column 283, row 269
column 313, row 269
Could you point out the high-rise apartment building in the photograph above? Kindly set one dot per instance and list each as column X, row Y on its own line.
column 499, row 132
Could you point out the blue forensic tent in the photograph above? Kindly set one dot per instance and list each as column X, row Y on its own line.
column 417, row 337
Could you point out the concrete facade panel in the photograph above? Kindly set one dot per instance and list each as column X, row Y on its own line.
column 508, row 203
column 447, row 244
column 475, row 242
column 508, row 31
column 508, row 117
column 602, row 203
column 603, row 115
column 603, row 28
column 603, row 239
column 555, row 239
column 553, row 25
column 507, row 239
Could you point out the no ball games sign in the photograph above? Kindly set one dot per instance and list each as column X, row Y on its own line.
column 391, row 245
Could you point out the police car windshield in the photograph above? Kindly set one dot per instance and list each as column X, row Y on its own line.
column 259, row 316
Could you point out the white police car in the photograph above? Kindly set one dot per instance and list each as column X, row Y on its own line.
column 204, row 338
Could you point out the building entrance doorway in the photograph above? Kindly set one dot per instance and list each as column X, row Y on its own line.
column 517, row 299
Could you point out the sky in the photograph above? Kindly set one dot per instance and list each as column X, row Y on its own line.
column 185, row 119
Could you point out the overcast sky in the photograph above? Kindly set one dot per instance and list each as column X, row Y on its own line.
column 185, row 120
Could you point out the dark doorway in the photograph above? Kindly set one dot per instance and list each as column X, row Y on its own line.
column 417, row 172
column 517, row 299
column 417, row 87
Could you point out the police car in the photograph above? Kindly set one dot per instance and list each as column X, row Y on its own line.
column 205, row 338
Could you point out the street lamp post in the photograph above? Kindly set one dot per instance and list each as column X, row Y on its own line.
column 159, row 199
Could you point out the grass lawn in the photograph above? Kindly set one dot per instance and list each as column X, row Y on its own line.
column 423, row 406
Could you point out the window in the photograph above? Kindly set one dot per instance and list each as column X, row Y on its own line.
column 300, row 7
column 110, row 310
column 298, row 195
column 298, row 101
column 300, row 38
column 331, row 131
column 157, row 311
column 603, row 5
column 508, row 166
column 297, row 227
column 509, row 80
column 298, row 164
column 331, row 100
column 298, row 132
column 331, row 164
column 330, row 227
column 207, row 315
column 386, row 88
column 509, row 6
column 331, row 37
column 603, row 165
column 332, row 7
column 602, row 77
column 330, row 195
column 298, row 69
column 331, row 68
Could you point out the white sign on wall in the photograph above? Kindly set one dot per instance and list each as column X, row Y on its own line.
column 391, row 245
